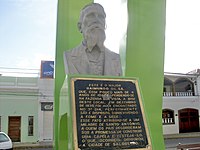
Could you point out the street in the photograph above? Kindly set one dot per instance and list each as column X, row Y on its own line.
column 170, row 144
column 36, row 149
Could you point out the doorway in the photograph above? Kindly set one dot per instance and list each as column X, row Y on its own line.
column 188, row 120
column 14, row 128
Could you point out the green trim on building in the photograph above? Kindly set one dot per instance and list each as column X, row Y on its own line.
column 19, row 98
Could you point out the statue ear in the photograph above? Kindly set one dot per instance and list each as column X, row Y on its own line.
column 79, row 26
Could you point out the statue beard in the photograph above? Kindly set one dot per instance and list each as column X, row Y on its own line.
column 95, row 37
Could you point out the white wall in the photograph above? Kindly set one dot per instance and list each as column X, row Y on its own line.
column 45, row 123
column 175, row 104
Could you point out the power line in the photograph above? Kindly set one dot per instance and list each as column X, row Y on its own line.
column 26, row 94
column 18, row 68
column 20, row 72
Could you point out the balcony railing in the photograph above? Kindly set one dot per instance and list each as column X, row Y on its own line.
column 167, row 94
column 167, row 120
column 178, row 94
column 184, row 93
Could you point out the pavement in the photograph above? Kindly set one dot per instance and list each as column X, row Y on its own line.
column 28, row 145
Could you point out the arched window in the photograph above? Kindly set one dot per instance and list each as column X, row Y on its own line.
column 167, row 116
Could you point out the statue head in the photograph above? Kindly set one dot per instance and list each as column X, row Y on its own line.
column 92, row 25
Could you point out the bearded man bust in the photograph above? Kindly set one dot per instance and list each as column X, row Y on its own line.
column 91, row 57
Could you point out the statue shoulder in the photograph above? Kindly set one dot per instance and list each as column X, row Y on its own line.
column 74, row 51
column 111, row 53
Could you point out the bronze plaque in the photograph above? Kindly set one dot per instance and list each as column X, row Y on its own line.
column 108, row 114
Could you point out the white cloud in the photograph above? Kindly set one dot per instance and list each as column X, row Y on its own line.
column 182, row 36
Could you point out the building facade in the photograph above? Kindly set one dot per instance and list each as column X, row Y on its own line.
column 19, row 108
column 181, row 103
column 26, row 108
column 46, row 98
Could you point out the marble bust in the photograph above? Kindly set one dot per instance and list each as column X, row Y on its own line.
column 91, row 57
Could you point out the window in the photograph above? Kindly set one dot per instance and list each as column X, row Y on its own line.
column 30, row 126
column 3, row 138
column 167, row 116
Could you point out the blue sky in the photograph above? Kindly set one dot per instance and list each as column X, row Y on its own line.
column 28, row 33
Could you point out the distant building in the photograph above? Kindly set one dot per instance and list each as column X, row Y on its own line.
column 26, row 108
column 181, row 103
column 46, row 99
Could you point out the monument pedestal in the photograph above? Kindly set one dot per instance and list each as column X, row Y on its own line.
column 101, row 113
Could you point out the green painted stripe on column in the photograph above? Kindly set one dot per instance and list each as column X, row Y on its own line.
column 145, row 59
column 67, row 37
